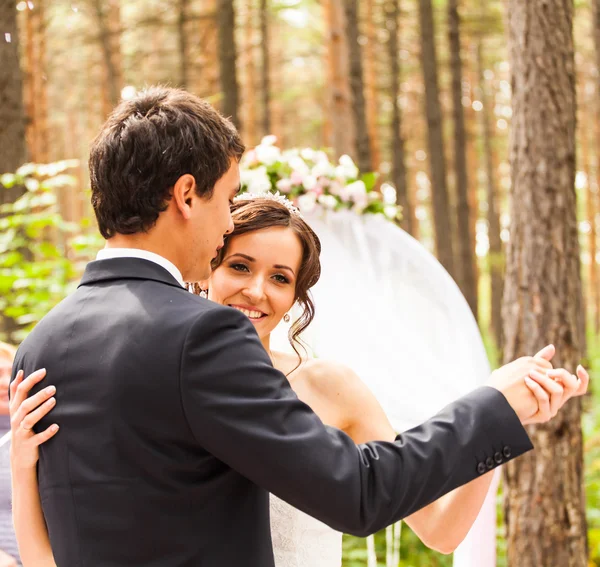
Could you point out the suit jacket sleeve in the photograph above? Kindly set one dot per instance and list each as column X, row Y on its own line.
column 244, row 412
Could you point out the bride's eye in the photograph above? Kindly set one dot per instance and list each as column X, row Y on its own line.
column 281, row 278
column 239, row 267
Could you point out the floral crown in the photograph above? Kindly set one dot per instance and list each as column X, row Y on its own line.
column 269, row 196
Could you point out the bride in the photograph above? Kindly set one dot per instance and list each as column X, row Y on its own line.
column 268, row 264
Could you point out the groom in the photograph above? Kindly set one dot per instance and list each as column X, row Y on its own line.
column 174, row 424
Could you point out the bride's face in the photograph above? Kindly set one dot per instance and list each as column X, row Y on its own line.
column 258, row 276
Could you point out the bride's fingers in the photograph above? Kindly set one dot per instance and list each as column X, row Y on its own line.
column 569, row 381
column 584, row 379
column 42, row 437
column 543, row 400
column 28, row 414
column 553, row 389
column 24, row 387
column 13, row 385
column 30, row 418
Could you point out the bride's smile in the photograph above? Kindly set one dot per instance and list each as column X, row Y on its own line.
column 257, row 275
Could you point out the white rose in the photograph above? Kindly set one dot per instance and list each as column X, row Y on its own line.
column 328, row 201
column 310, row 182
column 268, row 140
column 307, row 202
column 267, row 154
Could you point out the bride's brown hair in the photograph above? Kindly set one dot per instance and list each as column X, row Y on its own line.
column 260, row 213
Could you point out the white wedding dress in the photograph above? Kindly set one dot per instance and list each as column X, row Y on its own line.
column 386, row 308
column 301, row 541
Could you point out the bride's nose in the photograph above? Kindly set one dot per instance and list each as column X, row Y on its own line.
column 255, row 289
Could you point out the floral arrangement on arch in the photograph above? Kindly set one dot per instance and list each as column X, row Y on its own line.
column 311, row 181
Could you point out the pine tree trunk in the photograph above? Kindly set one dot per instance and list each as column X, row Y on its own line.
column 495, row 253
column 105, row 16
column 399, row 178
column 371, row 83
column 339, row 105
column 363, row 146
column 435, row 137
column 472, row 165
column 465, row 263
column 13, row 148
column 182, row 32
column 266, row 67
column 596, row 33
column 12, row 114
column 248, row 76
column 592, row 291
column 227, row 59
column 545, row 504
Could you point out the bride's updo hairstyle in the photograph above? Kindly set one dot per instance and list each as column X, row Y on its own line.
column 260, row 213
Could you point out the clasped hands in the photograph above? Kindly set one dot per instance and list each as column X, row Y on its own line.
column 536, row 390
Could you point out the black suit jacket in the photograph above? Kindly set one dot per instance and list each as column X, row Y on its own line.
column 175, row 427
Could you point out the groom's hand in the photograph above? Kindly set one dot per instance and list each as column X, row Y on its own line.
column 532, row 405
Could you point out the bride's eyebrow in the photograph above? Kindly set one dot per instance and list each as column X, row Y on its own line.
column 245, row 256
column 283, row 267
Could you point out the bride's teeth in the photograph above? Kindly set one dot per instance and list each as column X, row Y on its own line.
column 251, row 314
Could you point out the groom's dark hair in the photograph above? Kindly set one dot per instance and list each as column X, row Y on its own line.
column 148, row 143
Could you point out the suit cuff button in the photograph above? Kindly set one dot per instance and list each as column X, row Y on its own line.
column 481, row 468
column 489, row 463
column 507, row 452
column 498, row 457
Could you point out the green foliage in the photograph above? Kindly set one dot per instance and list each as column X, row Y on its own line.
column 41, row 255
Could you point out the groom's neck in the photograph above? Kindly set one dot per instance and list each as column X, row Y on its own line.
column 148, row 242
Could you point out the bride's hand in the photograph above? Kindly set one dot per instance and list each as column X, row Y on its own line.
column 572, row 385
column 24, row 414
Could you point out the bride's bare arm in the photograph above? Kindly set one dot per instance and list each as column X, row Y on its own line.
column 443, row 524
column 28, row 519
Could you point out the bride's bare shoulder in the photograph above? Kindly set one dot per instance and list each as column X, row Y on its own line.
column 329, row 376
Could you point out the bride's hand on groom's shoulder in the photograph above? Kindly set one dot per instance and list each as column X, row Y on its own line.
column 25, row 412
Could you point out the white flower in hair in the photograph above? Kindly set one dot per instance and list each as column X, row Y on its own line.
column 277, row 197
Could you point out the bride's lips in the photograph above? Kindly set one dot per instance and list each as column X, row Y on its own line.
column 247, row 309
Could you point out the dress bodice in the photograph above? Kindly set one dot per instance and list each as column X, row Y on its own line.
column 301, row 541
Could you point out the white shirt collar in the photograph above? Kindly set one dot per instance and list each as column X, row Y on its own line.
column 107, row 253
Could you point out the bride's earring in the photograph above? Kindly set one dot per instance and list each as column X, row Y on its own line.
column 204, row 293
column 286, row 317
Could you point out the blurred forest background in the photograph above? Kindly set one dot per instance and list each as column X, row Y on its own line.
column 423, row 92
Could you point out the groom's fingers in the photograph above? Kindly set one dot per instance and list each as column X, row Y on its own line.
column 547, row 353
column 554, row 390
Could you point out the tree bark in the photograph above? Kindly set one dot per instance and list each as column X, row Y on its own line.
column 227, row 59
column 435, row 138
column 182, row 18
column 371, row 82
column 399, row 177
column 13, row 147
column 495, row 253
column 363, row 146
column 12, row 112
column 596, row 34
column 341, row 135
column 105, row 14
column 266, row 67
column 465, row 264
column 592, row 292
column 248, row 77
column 545, row 504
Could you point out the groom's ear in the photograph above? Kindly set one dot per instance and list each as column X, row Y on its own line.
column 184, row 191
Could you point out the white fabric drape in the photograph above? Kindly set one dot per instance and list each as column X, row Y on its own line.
column 387, row 308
